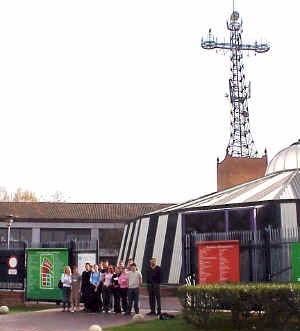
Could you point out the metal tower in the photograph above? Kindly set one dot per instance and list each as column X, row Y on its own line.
column 241, row 143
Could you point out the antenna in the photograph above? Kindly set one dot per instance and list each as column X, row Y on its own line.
column 241, row 143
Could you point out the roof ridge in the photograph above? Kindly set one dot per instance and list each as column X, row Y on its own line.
column 288, row 182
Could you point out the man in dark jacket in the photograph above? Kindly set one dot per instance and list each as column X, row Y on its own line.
column 153, row 285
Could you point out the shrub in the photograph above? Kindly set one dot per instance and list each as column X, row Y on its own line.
column 258, row 304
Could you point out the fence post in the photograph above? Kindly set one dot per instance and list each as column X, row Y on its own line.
column 250, row 250
column 97, row 251
column 187, row 255
column 267, row 253
column 72, row 253
column 194, row 257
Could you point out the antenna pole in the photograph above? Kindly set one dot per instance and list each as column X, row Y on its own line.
column 241, row 143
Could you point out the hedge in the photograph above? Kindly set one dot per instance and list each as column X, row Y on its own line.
column 259, row 304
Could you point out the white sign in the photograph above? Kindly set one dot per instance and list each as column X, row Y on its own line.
column 12, row 262
column 12, row 272
column 83, row 258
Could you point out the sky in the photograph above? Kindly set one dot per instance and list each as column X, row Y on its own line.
column 115, row 101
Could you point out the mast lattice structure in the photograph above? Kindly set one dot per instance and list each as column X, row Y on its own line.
column 241, row 143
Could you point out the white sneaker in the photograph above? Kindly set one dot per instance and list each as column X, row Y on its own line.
column 72, row 311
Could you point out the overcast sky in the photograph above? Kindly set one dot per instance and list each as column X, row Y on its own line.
column 115, row 101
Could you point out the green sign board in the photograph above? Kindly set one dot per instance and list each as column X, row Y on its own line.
column 44, row 269
column 295, row 262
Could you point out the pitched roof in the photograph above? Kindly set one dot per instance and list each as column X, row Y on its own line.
column 283, row 185
column 77, row 211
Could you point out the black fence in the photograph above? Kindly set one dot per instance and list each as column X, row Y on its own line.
column 264, row 255
column 12, row 267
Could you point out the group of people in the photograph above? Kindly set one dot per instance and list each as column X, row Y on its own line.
column 107, row 288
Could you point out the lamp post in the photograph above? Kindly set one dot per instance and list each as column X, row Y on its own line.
column 9, row 224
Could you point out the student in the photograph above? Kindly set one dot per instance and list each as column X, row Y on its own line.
column 121, row 265
column 134, row 283
column 107, row 288
column 95, row 299
column 66, row 279
column 129, row 263
column 75, row 289
column 116, row 290
column 86, row 288
column 153, row 286
column 123, row 283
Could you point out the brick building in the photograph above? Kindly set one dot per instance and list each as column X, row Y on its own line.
column 40, row 222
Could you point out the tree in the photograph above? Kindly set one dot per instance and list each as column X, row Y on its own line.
column 4, row 196
column 24, row 195
column 19, row 196
column 57, row 196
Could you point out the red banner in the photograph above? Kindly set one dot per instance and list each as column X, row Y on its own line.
column 218, row 261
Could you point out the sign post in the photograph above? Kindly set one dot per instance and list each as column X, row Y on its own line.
column 218, row 261
column 44, row 269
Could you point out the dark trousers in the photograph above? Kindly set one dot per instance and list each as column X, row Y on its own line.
column 133, row 298
column 66, row 297
column 116, row 294
column 100, row 296
column 154, row 297
column 123, row 296
column 106, row 293
column 87, row 293
column 95, row 302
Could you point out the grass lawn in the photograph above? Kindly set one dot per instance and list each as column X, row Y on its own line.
column 24, row 309
column 179, row 324
column 176, row 324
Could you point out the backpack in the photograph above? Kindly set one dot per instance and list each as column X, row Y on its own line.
column 165, row 316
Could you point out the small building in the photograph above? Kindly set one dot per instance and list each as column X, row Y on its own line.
column 273, row 199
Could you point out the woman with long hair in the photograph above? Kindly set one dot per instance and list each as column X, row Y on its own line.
column 66, row 279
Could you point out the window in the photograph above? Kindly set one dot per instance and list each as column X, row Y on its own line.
column 206, row 222
column 110, row 238
column 239, row 220
column 16, row 234
column 65, row 234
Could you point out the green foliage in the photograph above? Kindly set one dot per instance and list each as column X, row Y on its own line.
column 260, row 305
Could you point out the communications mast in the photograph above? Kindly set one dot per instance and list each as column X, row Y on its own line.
column 241, row 143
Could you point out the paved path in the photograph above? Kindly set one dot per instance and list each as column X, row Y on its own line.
column 56, row 320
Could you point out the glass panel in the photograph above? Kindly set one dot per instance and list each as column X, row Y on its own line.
column 3, row 234
column 21, row 234
column 205, row 222
column 110, row 238
column 239, row 220
column 64, row 234
column 16, row 234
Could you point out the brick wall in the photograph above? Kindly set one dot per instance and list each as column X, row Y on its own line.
column 11, row 298
column 237, row 170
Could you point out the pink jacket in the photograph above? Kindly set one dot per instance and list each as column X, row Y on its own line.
column 123, row 280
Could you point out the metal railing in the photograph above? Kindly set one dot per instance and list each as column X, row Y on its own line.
column 265, row 255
